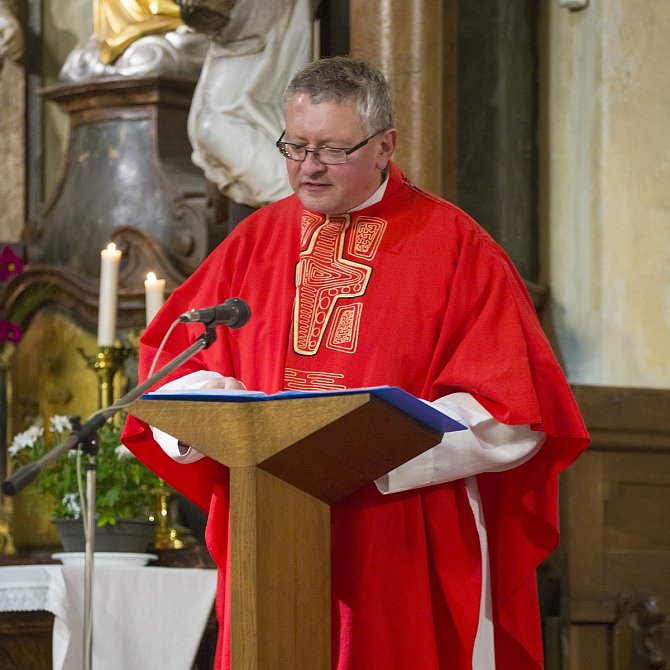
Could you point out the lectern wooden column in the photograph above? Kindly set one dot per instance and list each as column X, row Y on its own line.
column 289, row 460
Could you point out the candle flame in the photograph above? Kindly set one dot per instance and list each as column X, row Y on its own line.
column 111, row 246
column 151, row 276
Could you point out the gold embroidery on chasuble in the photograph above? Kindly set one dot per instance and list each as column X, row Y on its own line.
column 329, row 274
column 303, row 380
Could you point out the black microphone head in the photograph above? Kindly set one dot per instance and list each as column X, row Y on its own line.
column 242, row 310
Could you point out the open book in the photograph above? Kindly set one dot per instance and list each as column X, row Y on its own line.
column 418, row 409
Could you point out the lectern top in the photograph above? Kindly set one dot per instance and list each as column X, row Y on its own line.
column 328, row 444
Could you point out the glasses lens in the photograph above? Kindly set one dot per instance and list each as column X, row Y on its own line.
column 292, row 151
column 332, row 156
column 326, row 155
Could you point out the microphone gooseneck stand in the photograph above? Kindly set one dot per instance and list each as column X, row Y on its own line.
column 86, row 435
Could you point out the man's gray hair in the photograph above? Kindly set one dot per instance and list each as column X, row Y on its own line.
column 346, row 79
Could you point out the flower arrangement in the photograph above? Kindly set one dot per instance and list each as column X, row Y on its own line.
column 125, row 489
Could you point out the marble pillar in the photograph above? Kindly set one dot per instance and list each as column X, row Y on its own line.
column 497, row 124
column 407, row 41
column 12, row 155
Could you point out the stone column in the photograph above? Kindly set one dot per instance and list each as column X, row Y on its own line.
column 406, row 39
column 12, row 155
column 497, row 132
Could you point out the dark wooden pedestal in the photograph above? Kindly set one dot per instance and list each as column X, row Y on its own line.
column 25, row 640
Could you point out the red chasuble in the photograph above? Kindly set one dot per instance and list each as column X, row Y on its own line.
column 408, row 292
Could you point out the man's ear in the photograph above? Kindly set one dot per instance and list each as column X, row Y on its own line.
column 386, row 145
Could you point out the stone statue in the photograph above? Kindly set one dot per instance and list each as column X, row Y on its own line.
column 235, row 116
column 11, row 33
column 135, row 37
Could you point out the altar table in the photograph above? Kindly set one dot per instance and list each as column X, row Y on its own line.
column 143, row 617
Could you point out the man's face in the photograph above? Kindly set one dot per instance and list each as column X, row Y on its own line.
column 334, row 189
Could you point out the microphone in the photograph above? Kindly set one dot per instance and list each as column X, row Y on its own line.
column 233, row 313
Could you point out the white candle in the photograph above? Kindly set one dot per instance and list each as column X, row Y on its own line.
column 110, row 260
column 154, row 290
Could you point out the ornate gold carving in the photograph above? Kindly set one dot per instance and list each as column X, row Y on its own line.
column 118, row 23
column 6, row 540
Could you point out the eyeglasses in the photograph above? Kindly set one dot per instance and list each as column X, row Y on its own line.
column 325, row 155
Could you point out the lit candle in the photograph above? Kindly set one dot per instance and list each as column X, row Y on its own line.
column 110, row 260
column 154, row 290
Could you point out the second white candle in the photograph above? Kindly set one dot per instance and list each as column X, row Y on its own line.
column 154, row 295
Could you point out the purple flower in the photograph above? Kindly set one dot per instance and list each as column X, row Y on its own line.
column 11, row 265
column 9, row 331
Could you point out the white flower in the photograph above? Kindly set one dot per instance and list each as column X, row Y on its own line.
column 25, row 440
column 71, row 503
column 59, row 423
column 123, row 452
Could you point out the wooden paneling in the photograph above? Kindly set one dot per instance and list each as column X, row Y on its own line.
column 616, row 528
column 25, row 640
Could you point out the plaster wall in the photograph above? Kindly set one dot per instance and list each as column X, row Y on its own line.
column 608, row 206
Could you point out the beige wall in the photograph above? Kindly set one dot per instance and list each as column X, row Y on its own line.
column 606, row 171
column 607, row 165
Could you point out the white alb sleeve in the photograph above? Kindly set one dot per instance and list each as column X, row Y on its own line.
column 169, row 444
column 486, row 446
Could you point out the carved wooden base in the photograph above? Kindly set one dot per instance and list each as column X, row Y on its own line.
column 25, row 640
column 615, row 544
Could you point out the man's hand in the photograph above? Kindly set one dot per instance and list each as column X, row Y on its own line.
column 224, row 383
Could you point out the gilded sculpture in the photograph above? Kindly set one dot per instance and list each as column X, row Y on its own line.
column 119, row 23
column 136, row 37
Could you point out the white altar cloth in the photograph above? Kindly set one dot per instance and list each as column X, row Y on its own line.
column 143, row 617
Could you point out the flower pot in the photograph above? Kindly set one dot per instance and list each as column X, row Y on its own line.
column 128, row 535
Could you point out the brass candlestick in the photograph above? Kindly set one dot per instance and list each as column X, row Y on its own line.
column 166, row 536
column 106, row 363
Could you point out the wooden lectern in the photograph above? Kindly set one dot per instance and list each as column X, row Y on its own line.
column 289, row 460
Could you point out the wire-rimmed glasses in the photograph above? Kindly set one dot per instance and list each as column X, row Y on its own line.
column 325, row 155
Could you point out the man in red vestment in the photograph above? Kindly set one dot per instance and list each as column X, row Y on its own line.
column 361, row 279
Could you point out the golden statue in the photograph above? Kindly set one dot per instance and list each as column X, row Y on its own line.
column 118, row 23
column 136, row 37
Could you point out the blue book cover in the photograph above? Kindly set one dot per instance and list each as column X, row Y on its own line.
column 393, row 395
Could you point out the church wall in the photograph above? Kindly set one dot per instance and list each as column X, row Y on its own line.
column 607, row 203
column 605, row 206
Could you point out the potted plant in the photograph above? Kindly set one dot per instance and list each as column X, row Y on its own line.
column 126, row 490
